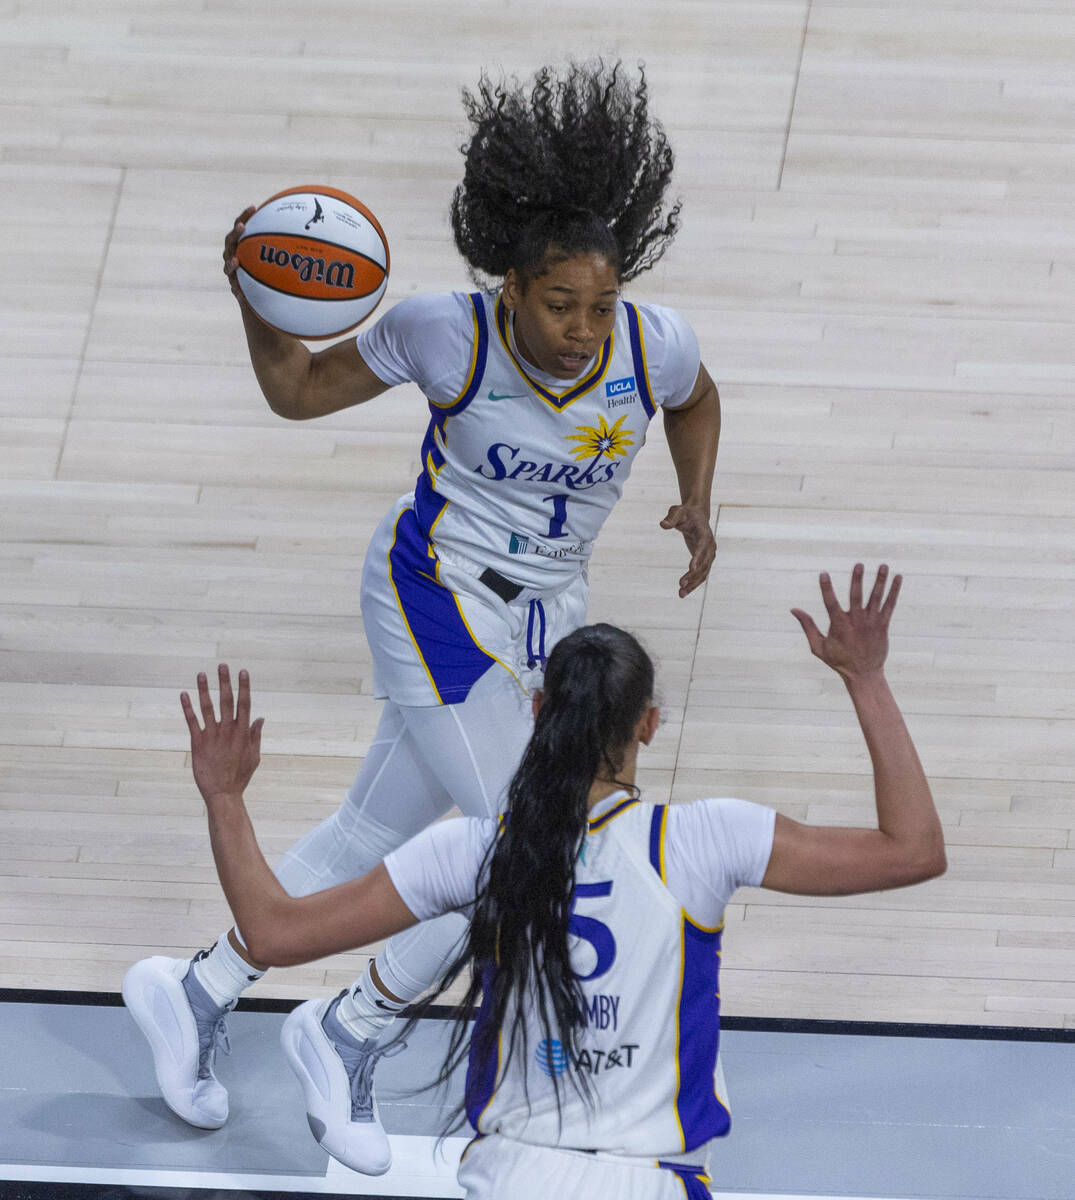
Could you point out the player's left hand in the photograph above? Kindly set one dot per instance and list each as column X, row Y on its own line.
column 225, row 754
column 231, row 249
column 693, row 523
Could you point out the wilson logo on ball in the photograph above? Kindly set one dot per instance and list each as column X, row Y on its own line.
column 316, row 282
column 350, row 274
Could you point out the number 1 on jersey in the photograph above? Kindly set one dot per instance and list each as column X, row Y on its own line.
column 559, row 515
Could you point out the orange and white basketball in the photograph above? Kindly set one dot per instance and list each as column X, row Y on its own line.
column 313, row 262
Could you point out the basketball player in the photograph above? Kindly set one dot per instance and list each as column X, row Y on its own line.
column 540, row 393
column 593, row 1075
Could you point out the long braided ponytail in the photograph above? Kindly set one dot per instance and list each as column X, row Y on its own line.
column 598, row 685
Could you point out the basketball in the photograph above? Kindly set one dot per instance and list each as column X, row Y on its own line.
column 313, row 262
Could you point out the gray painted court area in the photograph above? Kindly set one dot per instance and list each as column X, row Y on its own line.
column 901, row 1117
column 814, row 1114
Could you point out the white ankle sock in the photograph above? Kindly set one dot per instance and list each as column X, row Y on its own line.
column 365, row 1010
column 223, row 973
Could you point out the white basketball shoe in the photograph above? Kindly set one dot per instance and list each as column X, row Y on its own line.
column 184, row 1026
column 336, row 1073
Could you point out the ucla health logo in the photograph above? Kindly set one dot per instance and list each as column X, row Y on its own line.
column 620, row 392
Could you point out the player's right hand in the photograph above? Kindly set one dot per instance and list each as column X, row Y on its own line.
column 231, row 247
column 857, row 642
column 225, row 750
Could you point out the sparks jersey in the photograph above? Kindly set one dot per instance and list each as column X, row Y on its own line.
column 650, row 979
column 520, row 475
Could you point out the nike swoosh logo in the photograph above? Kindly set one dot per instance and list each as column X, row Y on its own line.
column 380, row 1003
column 493, row 396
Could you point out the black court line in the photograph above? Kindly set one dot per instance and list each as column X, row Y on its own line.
column 18, row 1190
column 448, row 1012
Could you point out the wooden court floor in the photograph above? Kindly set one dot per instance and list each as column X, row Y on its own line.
column 878, row 254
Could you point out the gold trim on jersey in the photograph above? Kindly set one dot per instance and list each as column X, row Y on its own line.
column 474, row 347
column 559, row 401
column 435, row 578
column 440, row 444
column 638, row 354
column 685, row 920
column 496, row 1082
column 614, row 812
column 675, row 1056
column 466, row 624
column 642, row 346
column 402, row 611
column 660, row 853
column 704, row 928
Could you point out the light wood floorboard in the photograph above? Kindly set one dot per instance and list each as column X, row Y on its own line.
column 878, row 254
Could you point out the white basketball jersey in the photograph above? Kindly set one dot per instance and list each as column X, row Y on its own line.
column 519, row 477
column 650, row 979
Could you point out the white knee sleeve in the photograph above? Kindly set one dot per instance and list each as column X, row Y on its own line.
column 342, row 847
column 414, row 960
column 394, row 796
column 474, row 747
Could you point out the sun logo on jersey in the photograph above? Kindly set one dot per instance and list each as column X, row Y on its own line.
column 605, row 441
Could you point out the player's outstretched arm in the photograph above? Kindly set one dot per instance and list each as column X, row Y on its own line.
column 693, row 433
column 279, row 930
column 298, row 383
column 908, row 844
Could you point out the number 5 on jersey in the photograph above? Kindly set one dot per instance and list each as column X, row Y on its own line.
column 588, row 929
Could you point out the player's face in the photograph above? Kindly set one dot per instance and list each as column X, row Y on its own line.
column 563, row 316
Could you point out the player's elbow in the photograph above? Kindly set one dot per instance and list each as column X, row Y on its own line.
column 268, row 951
column 923, row 861
column 270, row 943
column 260, row 947
column 295, row 395
column 282, row 956
column 938, row 862
column 289, row 405
column 904, row 861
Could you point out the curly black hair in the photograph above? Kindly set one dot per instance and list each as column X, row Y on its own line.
column 569, row 163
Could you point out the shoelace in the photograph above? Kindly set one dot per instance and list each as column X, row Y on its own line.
column 359, row 1065
column 211, row 1023
column 212, row 1037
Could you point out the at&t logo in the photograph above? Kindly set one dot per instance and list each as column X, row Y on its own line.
column 551, row 1057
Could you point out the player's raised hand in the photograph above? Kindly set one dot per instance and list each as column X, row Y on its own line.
column 231, row 248
column 226, row 752
column 857, row 641
column 694, row 525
